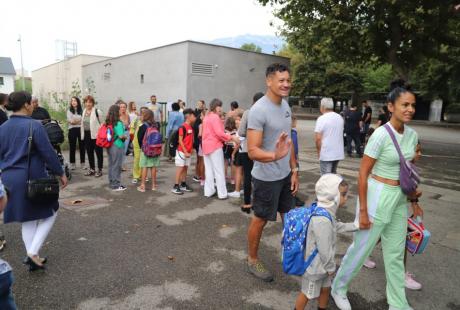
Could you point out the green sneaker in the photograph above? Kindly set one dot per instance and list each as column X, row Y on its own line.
column 259, row 271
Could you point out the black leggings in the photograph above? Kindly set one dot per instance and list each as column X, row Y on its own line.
column 74, row 137
column 91, row 148
column 247, row 169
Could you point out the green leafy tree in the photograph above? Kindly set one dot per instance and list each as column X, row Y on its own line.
column 251, row 47
column 27, row 83
column 399, row 33
column 376, row 78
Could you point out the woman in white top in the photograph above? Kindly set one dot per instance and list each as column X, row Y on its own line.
column 74, row 123
column 132, row 110
column 90, row 123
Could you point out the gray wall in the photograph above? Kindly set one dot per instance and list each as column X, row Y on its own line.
column 164, row 72
column 233, row 78
column 168, row 74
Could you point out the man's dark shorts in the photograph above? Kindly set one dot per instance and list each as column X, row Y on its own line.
column 270, row 197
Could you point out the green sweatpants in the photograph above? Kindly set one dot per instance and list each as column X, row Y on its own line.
column 388, row 211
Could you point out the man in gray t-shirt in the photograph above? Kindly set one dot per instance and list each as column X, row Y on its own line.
column 272, row 119
column 275, row 175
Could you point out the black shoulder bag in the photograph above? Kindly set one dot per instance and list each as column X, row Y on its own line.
column 43, row 190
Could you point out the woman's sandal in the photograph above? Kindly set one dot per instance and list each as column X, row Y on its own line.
column 141, row 189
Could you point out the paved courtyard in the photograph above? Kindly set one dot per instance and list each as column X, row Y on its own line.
column 155, row 250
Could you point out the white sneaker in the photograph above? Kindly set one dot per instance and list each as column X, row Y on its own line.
column 341, row 301
column 368, row 263
column 134, row 181
column 119, row 188
column 410, row 282
column 234, row 195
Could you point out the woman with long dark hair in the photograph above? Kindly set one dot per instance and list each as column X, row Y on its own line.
column 382, row 205
column 74, row 114
column 116, row 152
column 18, row 165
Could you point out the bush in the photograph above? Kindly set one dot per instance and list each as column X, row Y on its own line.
column 453, row 108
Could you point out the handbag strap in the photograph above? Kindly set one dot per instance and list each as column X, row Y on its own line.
column 395, row 142
column 29, row 149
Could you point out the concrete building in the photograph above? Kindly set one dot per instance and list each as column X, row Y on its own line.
column 58, row 77
column 186, row 70
column 7, row 74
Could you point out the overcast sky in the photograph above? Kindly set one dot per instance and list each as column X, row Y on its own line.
column 113, row 28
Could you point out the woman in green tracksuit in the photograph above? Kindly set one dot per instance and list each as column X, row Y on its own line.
column 382, row 206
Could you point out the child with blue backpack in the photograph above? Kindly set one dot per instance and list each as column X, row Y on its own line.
column 321, row 237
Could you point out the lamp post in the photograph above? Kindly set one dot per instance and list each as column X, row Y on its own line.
column 22, row 65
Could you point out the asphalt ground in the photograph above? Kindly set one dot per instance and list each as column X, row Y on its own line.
column 155, row 250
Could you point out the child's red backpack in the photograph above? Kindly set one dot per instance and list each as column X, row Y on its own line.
column 104, row 136
column 152, row 142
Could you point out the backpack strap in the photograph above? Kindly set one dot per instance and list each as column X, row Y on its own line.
column 395, row 142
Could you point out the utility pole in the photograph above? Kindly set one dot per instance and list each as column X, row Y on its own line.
column 22, row 65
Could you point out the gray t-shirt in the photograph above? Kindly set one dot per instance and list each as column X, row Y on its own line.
column 272, row 119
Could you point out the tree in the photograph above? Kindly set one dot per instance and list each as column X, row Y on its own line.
column 27, row 83
column 402, row 34
column 251, row 47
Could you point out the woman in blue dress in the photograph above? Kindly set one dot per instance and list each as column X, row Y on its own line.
column 37, row 218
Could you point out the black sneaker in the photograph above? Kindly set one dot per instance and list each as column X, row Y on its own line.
column 98, row 174
column 119, row 188
column 185, row 188
column 176, row 190
column 196, row 179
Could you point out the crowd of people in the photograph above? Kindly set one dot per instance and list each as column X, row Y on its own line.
column 255, row 150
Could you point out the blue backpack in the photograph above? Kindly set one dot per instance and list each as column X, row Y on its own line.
column 294, row 240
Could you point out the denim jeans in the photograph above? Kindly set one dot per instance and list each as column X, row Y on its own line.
column 328, row 166
column 6, row 293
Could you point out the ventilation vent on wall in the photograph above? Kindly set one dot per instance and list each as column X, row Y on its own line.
column 107, row 76
column 202, row 69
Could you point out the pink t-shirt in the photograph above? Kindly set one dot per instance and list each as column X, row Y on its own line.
column 213, row 133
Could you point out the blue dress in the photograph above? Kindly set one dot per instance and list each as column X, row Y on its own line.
column 13, row 166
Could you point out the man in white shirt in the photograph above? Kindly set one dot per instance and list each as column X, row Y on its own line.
column 156, row 109
column 329, row 137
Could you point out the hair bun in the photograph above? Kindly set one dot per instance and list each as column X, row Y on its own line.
column 399, row 83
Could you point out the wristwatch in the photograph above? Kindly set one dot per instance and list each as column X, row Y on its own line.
column 296, row 169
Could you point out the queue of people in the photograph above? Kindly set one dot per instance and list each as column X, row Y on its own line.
column 260, row 146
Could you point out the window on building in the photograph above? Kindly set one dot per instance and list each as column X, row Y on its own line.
column 107, row 76
column 142, row 79
column 202, row 69
column 2, row 82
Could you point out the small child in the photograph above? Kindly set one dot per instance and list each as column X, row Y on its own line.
column 331, row 192
column 184, row 152
column 237, row 165
column 147, row 163
column 294, row 139
column 133, row 130
column 229, row 146
column 295, row 143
